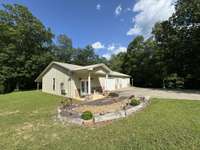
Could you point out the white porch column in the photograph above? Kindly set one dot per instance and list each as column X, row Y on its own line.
column 106, row 82
column 89, row 84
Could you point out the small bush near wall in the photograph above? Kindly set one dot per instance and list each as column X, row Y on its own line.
column 87, row 115
column 173, row 81
column 134, row 102
column 66, row 102
column 2, row 88
column 112, row 94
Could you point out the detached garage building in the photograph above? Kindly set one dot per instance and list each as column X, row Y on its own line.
column 78, row 81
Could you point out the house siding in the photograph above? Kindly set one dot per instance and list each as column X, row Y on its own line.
column 61, row 76
column 71, row 81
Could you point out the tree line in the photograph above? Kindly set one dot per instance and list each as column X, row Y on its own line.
column 26, row 48
column 169, row 59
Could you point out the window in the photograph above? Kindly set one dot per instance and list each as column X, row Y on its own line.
column 61, row 86
column 62, row 89
column 54, row 86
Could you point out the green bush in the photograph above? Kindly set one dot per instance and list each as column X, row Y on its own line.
column 66, row 102
column 87, row 115
column 2, row 88
column 173, row 81
column 112, row 94
column 134, row 102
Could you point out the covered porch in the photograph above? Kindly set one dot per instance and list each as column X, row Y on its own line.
column 91, row 83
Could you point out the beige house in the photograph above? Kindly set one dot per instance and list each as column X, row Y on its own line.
column 79, row 81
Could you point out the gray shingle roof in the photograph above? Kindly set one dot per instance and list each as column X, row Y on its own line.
column 72, row 67
column 114, row 73
column 68, row 66
column 77, row 67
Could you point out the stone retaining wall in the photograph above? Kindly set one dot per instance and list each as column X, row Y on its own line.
column 109, row 116
column 105, row 117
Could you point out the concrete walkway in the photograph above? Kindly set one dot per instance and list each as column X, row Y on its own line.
column 160, row 93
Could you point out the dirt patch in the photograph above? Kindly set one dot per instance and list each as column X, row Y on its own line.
column 101, row 109
column 43, row 125
column 35, row 112
column 9, row 113
column 55, row 136
column 24, row 128
column 26, row 137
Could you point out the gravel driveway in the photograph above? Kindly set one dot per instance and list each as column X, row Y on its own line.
column 160, row 93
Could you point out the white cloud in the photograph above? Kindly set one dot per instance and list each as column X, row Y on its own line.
column 98, row 7
column 133, row 20
column 136, row 30
column 97, row 45
column 128, row 9
column 120, row 49
column 118, row 10
column 111, row 47
column 107, row 55
column 148, row 13
column 114, row 49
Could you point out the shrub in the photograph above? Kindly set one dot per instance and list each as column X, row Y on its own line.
column 2, row 88
column 134, row 102
column 87, row 115
column 66, row 102
column 113, row 94
column 131, row 97
column 180, row 84
column 173, row 81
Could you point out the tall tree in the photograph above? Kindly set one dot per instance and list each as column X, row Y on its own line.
column 179, row 39
column 86, row 56
column 64, row 50
column 116, row 61
column 24, row 47
column 142, row 61
column 133, row 51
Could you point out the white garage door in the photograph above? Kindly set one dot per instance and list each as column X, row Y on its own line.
column 125, row 82
column 110, row 84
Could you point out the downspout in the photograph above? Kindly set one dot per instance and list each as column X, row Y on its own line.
column 70, row 93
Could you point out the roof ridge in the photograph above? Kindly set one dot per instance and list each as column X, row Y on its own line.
column 77, row 65
column 73, row 67
column 94, row 64
column 66, row 63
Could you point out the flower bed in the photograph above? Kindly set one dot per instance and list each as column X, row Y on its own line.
column 101, row 115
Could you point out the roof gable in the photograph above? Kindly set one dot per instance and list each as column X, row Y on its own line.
column 68, row 66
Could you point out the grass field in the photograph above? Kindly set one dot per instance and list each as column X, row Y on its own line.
column 27, row 121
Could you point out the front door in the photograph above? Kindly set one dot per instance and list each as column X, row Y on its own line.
column 84, row 87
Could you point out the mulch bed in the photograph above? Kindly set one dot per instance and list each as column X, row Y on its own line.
column 106, row 101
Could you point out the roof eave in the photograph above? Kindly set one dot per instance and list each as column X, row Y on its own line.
column 38, row 79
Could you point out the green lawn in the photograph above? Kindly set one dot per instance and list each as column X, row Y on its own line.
column 27, row 121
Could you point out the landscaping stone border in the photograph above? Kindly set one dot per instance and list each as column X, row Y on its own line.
column 98, row 118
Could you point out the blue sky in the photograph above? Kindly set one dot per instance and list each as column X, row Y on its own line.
column 108, row 25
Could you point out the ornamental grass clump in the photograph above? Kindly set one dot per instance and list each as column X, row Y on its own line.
column 87, row 115
column 66, row 102
column 112, row 94
column 134, row 102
